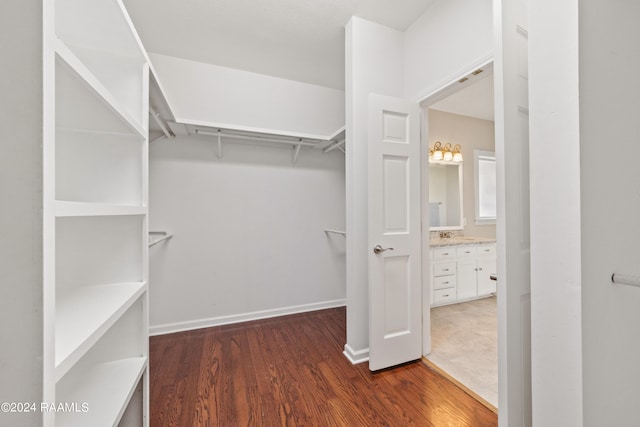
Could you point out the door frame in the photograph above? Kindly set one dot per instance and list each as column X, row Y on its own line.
column 449, row 88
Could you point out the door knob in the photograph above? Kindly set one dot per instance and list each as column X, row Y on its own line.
column 377, row 249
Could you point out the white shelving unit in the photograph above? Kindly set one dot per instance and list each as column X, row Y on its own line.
column 95, row 215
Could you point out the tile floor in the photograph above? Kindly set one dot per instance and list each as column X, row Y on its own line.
column 464, row 343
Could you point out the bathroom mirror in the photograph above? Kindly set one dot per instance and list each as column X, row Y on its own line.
column 445, row 196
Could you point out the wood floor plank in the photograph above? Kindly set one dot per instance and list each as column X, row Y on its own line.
column 290, row 371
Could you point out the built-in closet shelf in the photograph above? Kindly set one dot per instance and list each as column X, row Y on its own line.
column 67, row 209
column 84, row 315
column 105, row 388
column 96, row 216
column 92, row 83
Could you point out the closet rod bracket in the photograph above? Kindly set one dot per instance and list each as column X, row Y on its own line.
column 296, row 151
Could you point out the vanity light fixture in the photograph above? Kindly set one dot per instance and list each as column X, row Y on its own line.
column 446, row 153
column 457, row 155
column 436, row 153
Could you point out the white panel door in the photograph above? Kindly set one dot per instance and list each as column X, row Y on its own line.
column 395, row 289
column 512, row 161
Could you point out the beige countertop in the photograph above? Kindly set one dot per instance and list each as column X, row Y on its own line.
column 460, row 240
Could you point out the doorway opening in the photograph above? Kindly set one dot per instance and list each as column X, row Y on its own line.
column 460, row 245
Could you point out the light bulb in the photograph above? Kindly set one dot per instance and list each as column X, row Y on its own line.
column 457, row 155
column 437, row 151
column 448, row 155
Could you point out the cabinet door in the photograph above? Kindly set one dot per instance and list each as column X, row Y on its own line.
column 486, row 267
column 466, row 280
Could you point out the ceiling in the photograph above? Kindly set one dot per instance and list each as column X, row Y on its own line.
column 475, row 100
column 300, row 40
column 294, row 39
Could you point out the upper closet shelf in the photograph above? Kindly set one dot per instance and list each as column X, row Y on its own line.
column 263, row 137
column 72, row 79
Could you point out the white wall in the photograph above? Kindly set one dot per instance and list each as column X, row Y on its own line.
column 471, row 134
column 556, row 344
column 249, row 232
column 444, row 43
column 21, row 315
column 206, row 93
column 610, row 207
column 373, row 65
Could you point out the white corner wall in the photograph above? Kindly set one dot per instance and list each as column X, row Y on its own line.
column 610, row 207
column 21, row 274
column 204, row 94
column 556, row 312
column 444, row 43
column 374, row 64
column 249, row 232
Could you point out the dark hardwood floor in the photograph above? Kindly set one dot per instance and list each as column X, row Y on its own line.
column 290, row 371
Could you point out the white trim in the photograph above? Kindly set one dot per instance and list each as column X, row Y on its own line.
column 356, row 356
column 477, row 156
column 445, row 87
column 169, row 328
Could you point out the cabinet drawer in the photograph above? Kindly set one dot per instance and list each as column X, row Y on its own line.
column 444, row 295
column 444, row 268
column 444, row 282
column 444, row 253
column 464, row 251
column 486, row 250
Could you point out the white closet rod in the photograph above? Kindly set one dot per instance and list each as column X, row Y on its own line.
column 625, row 279
column 158, row 119
column 257, row 138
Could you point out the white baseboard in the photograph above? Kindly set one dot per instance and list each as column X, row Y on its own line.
column 356, row 356
column 189, row 325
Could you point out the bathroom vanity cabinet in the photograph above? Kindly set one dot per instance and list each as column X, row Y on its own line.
column 461, row 272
